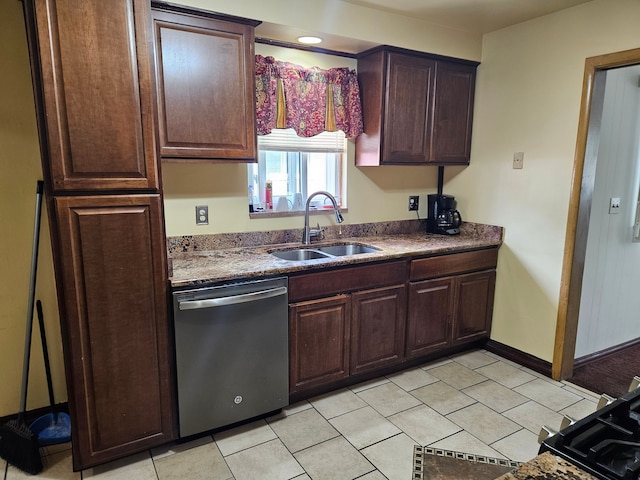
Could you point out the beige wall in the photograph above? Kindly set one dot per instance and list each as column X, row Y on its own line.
column 528, row 99
column 19, row 171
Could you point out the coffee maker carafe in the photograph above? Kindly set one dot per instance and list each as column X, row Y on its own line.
column 442, row 217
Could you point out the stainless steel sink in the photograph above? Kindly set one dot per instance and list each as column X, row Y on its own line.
column 326, row 251
column 347, row 249
column 299, row 254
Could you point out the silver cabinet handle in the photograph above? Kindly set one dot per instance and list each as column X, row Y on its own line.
column 232, row 300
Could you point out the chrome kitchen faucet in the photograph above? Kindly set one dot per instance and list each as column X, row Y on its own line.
column 307, row 233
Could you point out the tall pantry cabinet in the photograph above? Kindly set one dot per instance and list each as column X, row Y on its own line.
column 92, row 64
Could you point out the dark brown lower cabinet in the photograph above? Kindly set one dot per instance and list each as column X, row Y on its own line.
column 112, row 264
column 319, row 342
column 455, row 307
column 473, row 306
column 377, row 328
column 429, row 317
column 345, row 321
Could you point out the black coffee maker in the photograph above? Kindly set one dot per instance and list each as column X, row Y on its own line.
column 442, row 217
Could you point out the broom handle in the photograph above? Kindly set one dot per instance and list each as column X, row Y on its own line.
column 45, row 352
column 32, row 290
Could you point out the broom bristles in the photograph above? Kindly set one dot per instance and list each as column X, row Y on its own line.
column 19, row 447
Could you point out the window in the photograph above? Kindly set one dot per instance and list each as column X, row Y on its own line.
column 296, row 167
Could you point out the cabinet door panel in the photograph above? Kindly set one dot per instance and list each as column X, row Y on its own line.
column 429, row 317
column 319, row 336
column 407, row 121
column 453, row 113
column 115, row 316
column 474, row 306
column 95, row 61
column 377, row 328
column 206, row 87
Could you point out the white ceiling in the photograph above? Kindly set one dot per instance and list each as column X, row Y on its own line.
column 478, row 16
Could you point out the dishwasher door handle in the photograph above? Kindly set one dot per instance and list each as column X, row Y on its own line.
column 232, row 299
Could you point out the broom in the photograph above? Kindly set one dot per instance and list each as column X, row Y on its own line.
column 18, row 444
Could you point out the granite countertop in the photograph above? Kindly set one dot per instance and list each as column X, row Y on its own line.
column 198, row 260
column 547, row 466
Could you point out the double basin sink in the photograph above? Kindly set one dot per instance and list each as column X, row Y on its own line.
column 324, row 251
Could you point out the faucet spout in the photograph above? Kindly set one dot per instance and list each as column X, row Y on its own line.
column 306, row 233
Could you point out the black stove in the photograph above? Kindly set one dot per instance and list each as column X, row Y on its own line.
column 605, row 444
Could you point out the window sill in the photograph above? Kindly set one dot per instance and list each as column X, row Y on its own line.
column 293, row 213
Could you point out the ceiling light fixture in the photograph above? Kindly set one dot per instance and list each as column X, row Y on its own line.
column 310, row 40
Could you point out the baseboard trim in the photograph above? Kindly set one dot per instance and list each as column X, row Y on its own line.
column 592, row 357
column 526, row 360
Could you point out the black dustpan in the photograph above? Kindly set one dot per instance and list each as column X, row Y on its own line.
column 54, row 427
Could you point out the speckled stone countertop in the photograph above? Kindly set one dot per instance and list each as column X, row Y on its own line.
column 547, row 466
column 202, row 259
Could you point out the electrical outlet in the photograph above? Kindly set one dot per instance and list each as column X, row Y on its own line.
column 414, row 201
column 202, row 215
column 518, row 160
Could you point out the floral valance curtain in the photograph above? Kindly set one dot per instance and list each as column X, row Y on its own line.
column 309, row 100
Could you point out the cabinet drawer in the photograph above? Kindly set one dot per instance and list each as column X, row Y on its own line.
column 324, row 283
column 453, row 264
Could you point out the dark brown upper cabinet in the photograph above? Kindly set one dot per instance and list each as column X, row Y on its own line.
column 96, row 93
column 205, row 86
column 417, row 108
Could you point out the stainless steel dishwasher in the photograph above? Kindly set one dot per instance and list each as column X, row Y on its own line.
column 232, row 353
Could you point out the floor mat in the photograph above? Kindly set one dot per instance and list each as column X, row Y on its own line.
column 437, row 464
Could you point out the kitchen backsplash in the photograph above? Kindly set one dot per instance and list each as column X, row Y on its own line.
column 194, row 243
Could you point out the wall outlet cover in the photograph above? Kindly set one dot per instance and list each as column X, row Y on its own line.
column 202, row 215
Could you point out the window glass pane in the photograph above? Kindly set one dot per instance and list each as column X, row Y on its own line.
column 277, row 171
column 296, row 174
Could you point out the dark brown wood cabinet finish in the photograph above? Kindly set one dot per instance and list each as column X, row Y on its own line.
column 96, row 79
column 344, row 322
column 417, row 108
column 205, row 87
column 92, row 66
column 318, row 342
column 429, row 316
column 473, row 306
column 453, row 113
column 450, row 300
column 377, row 328
column 406, row 130
column 115, row 305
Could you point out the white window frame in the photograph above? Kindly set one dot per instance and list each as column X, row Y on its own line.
column 300, row 149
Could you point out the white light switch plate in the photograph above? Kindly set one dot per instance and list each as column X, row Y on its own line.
column 614, row 205
column 518, row 160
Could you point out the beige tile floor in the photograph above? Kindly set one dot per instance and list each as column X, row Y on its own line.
column 475, row 402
